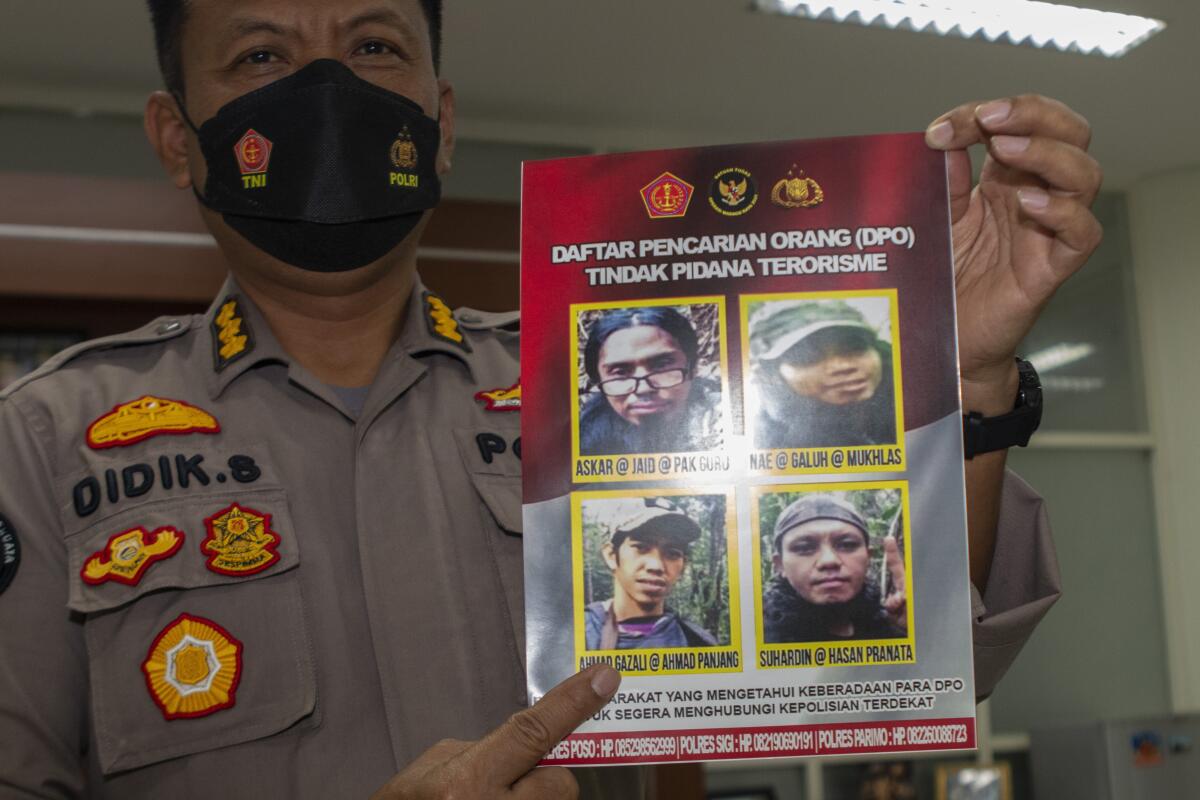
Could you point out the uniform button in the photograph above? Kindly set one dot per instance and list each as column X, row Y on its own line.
column 168, row 326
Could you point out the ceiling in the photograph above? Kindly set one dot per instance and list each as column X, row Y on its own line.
column 633, row 74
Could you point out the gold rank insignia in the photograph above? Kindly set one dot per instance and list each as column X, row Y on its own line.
column 502, row 399
column 404, row 152
column 240, row 541
column 193, row 668
column 129, row 554
column 232, row 338
column 797, row 191
column 441, row 322
column 145, row 417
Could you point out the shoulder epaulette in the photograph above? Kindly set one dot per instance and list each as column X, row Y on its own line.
column 159, row 330
column 475, row 320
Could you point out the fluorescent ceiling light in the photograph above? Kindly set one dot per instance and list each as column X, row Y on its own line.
column 1059, row 355
column 1065, row 28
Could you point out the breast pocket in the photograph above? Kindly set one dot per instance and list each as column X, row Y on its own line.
column 492, row 458
column 194, row 624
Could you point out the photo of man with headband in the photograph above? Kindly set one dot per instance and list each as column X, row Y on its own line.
column 823, row 375
column 821, row 589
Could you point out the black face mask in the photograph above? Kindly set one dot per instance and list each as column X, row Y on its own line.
column 321, row 169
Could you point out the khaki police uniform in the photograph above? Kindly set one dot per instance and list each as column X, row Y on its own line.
column 230, row 585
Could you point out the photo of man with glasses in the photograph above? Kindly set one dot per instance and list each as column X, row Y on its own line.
column 644, row 391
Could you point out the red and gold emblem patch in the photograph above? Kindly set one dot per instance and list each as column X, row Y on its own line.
column 145, row 417
column 502, row 399
column 129, row 554
column 253, row 152
column 193, row 668
column 667, row 196
column 240, row 541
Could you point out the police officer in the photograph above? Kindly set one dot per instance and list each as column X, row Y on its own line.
column 273, row 550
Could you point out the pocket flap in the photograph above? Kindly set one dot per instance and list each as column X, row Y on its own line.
column 502, row 495
column 180, row 543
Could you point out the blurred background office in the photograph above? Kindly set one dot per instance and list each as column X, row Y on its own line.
column 93, row 240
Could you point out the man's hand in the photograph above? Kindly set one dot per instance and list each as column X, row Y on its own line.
column 501, row 764
column 896, row 603
column 1019, row 234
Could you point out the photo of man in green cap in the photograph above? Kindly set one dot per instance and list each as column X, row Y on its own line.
column 822, row 372
column 647, row 546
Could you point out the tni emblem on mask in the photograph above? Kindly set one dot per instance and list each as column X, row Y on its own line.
column 404, row 157
column 797, row 191
column 240, row 541
column 667, row 196
column 253, row 153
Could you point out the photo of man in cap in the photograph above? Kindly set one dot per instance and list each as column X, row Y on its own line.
column 823, row 374
column 648, row 544
column 821, row 589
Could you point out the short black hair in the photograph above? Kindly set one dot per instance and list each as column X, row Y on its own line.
column 168, row 16
column 668, row 319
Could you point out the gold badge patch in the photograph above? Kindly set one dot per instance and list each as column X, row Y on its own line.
column 442, row 323
column 240, row 541
column 193, row 668
column 797, row 191
column 129, row 554
column 502, row 399
column 232, row 338
column 145, row 417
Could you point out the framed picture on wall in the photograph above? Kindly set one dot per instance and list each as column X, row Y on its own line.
column 970, row 781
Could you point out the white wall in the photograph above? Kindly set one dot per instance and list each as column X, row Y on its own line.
column 1165, row 226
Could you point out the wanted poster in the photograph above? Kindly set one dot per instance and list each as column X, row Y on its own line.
column 742, row 450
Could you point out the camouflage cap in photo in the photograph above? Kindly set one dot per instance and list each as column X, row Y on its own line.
column 655, row 516
column 778, row 326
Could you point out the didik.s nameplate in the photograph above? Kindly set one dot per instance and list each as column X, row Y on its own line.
column 742, row 450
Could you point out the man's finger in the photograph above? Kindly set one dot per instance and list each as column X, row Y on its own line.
column 895, row 564
column 955, row 130
column 511, row 750
column 1067, row 169
column 1077, row 231
column 556, row 782
column 1034, row 115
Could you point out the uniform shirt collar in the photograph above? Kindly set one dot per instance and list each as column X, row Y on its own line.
column 238, row 337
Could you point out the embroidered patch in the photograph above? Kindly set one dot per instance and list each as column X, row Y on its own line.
column 193, row 668
column 240, row 541
column 232, row 337
column 502, row 399
column 146, row 417
column 441, row 322
column 129, row 554
column 10, row 553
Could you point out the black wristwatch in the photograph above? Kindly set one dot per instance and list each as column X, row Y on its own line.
column 984, row 434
